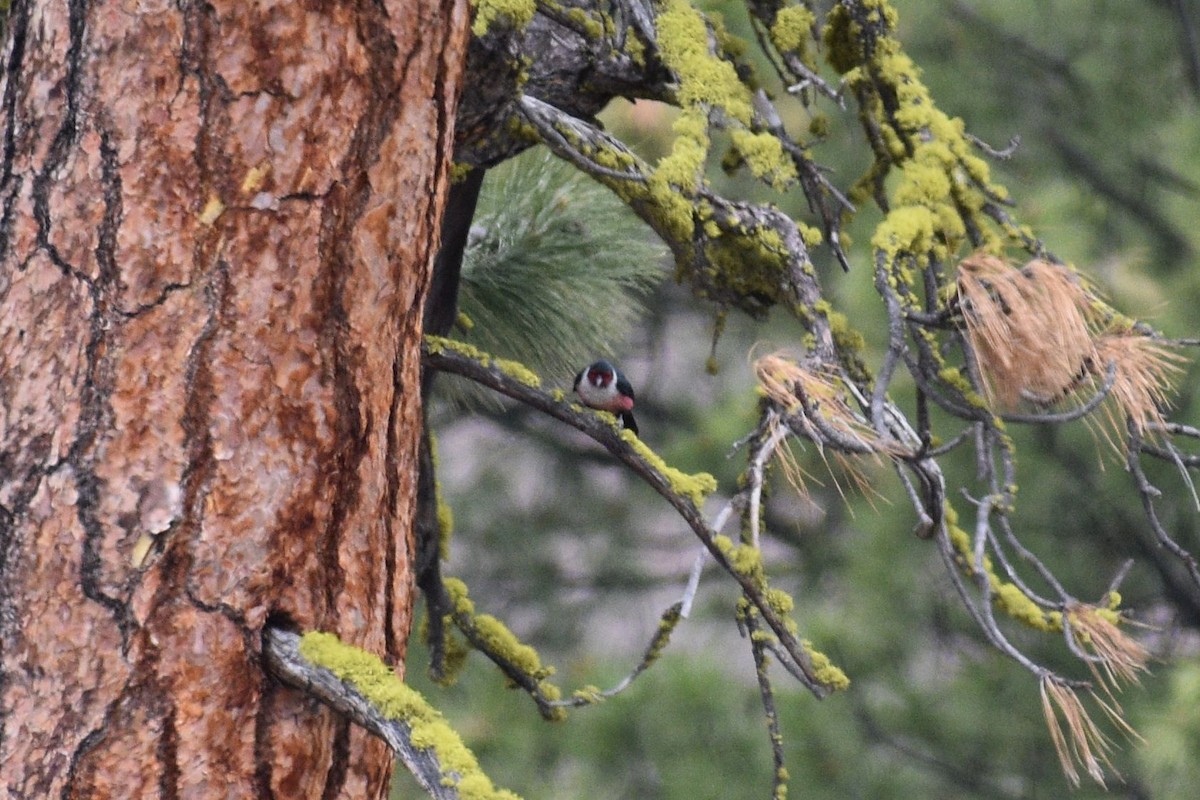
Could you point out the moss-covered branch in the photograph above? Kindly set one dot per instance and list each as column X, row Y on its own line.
column 357, row 684
column 684, row 492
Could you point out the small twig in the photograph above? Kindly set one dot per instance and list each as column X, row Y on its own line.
column 766, row 693
column 1148, row 492
column 544, row 117
column 693, row 582
column 669, row 619
column 1174, row 428
column 959, row 438
column 1115, row 584
column 1004, row 154
column 760, row 454
column 1073, row 643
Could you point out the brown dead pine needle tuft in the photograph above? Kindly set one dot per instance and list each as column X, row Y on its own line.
column 1082, row 743
column 815, row 393
column 1122, row 656
column 829, row 419
column 1030, row 328
column 1145, row 373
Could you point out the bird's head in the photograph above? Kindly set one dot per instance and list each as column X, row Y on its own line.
column 600, row 374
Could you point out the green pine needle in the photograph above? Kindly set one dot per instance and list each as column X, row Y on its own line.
column 555, row 269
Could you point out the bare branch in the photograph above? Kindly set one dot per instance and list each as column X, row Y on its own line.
column 1148, row 494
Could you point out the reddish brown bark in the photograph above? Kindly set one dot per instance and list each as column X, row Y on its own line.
column 218, row 220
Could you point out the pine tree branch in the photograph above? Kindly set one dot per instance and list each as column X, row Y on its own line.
column 281, row 649
column 616, row 442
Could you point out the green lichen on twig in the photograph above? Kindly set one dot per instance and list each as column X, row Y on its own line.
column 1006, row 596
column 518, row 661
column 694, row 487
column 514, row 369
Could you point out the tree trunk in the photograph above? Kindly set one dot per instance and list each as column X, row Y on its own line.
column 218, row 222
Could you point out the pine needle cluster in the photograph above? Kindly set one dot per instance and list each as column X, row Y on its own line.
column 1041, row 336
column 815, row 401
column 556, row 267
column 1116, row 660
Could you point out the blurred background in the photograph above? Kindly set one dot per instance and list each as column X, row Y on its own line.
column 580, row 558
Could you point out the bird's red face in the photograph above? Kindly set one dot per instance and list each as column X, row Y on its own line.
column 599, row 378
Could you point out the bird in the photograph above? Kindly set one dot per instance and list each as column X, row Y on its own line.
column 601, row 385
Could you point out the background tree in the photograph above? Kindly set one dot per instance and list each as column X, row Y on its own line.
column 218, row 222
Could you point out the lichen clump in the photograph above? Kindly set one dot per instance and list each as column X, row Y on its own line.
column 1006, row 596
column 792, row 29
column 515, row 13
column 399, row 702
column 513, row 369
column 492, row 636
column 694, row 487
column 825, row 670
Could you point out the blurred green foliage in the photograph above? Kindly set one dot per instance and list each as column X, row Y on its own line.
column 581, row 558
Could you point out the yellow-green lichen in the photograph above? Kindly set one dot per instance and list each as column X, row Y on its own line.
column 666, row 198
column 744, row 559
column 684, row 165
column 1112, row 600
column 694, row 487
column 792, row 29
column 502, row 641
column 634, row 47
column 848, row 339
column 454, row 651
column 824, row 669
column 781, row 601
column 666, row 626
column 517, row 371
column 812, row 236
column 459, row 171
column 519, row 128
column 493, row 636
column 1007, row 597
column 907, row 229
column 513, row 369
column 445, row 514
column 943, row 185
column 592, row 27
column 514, row 13
column 819, row 125
column 704, row 79
column 953, row 377
column 781, row 789
column 843, row 35
column 592, row 695
column 764, row 155
column 749, row 263
column 397, row 701
column 733, row 47
column 460, row 602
